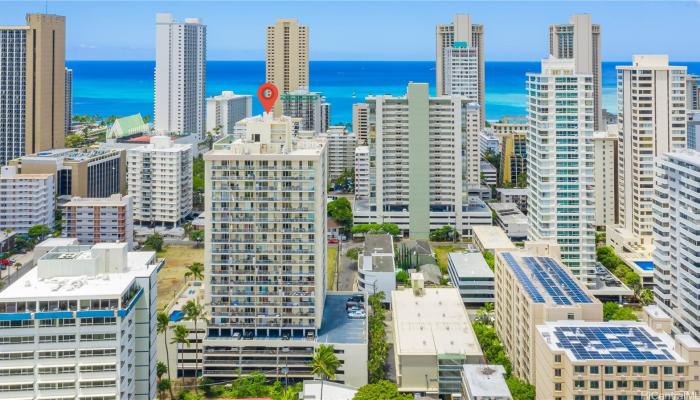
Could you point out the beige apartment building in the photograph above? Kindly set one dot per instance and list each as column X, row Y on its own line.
column 460, row 34
column 652, row 122
column 433, row 339
column 583, row 360
column 287, row 57
column 34, row 71
column 99, row 220
column 580, row 40
column 512, row 131
column 605, row 177
column 532, row 288
column 360, row 122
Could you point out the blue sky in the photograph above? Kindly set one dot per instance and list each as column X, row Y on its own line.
column 374, row 30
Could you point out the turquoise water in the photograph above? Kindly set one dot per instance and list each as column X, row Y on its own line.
column 126, row 87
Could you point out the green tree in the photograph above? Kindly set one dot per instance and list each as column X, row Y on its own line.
column 402, row 276
column 609, row 310
column 378, row 347
column 165, row 385
column 195, row 271
column 381, row 390
column 75, row 140
column 353, row 253
column 646, row 296
column 340, row 209
column 162, row 325
column 197, row 236
column 181, row 338
column 625, row 314
column 489, row 258
column 391, row 229
column 324, row 362
column 521, row 180
column 38, row 232
column 154, row 242
column 195, row 312
column 519, row 389
column 443, row 234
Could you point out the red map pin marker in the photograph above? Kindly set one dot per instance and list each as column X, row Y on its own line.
column 267, row 94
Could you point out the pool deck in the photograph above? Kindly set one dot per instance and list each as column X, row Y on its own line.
column 336, row 326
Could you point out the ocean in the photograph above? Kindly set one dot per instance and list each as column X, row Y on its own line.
column 126, row 87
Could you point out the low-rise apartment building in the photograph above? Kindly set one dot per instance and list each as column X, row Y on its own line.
column 614, row 360
column 376, row 271
column 433, row 339
column 511, row 220
column 514, row 195
column 26, row 200
column 470, row 273
column 81, row 324
column 530, row 290
column 99, row 220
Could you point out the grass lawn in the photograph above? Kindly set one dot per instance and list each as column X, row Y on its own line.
column 332, row 266
column 172, row 276
column 441, row 256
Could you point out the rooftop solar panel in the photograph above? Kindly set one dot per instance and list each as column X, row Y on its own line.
column 527, row 284
column 611, row 343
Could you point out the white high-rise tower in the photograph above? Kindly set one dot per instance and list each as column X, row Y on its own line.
column 180, row 76
column 560, row 162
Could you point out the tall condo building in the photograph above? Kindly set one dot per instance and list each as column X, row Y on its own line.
column 180, row 77
column 676, row 211
column 652, row 121
column 32, row 86
column 26, row 200
column 160, row 181
column 287, row 57
column 580, row 40
column 81, row 324
column 224, row 110
column 605, row 176
column 692, row 92
column 362, row 172
column 341, row 151
column 424, row 156
column 360, row 122
column 307, row 106
column 265, row 256
column 459, row 60
column 69, row 98
column 560, row 162
column 512, row 132
column 99, row 220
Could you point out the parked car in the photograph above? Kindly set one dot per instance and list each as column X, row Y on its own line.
column 333, row 241
column 357, row 314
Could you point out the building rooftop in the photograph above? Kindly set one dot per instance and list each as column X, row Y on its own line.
column 82, row 154
column 487, row 167
column 492, row 237
column 545, row 280
column 115, row 200
column 611, row 340
column 513, row 191
column 336, row 326
column 469, row 265
column 378, row 244
column 432, row 322
column 62, row 273
column 605, row 283
column 509, row 213
column 487, row 381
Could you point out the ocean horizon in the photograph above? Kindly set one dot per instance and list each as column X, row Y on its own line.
column 126, row 87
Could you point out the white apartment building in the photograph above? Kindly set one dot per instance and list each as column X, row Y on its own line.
column 692, row 92
column 694, row 130
column 362, row 173
column 376, row 271
column 360, row 122
column 99, row 220
column 580, row 41
column 69, row 98
column 424, row 156
column 81, row 324
column 265, row 258
column 560, row 162
column 305, row 105
column 470, row 273
column 459, row 60
column 180, row 76
column 325, row 116
column 26, row 200
column 651, row 122
column 287, row 57
column 226, row 109
column 676, row 216
column 489, row 142
column 341, row 151
column 159, row 177
column 605, row 176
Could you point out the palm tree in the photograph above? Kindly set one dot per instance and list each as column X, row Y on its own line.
column 195, row 312
column 161, row 369
column 324, row 363
column 162, row 325
column 195, row 271
column 180, row 337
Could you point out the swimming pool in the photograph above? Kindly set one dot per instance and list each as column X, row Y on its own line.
column 176, row 315
column 645, row 265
